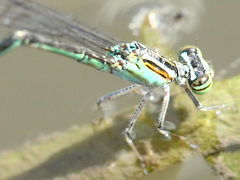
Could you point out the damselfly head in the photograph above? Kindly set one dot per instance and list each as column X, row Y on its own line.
column 200, row 77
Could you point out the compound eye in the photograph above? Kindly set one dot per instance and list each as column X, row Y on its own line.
column 189, row 54
column 201, row 81
column 201, row 85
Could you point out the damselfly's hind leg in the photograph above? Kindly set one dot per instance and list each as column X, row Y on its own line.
column 111, row 96
column 129, row 134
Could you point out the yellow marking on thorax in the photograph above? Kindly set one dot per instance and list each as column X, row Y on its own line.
column 159, row 71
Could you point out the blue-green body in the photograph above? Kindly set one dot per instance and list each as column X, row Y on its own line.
column 141, row 75
column 131, row 68
column 130, row 63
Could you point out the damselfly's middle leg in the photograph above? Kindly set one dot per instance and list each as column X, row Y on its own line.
column 163, row 110
column 164, row 128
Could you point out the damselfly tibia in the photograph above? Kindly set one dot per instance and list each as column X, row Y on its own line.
column 40, row 27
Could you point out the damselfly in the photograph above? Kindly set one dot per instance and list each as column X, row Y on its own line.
column 40, row 27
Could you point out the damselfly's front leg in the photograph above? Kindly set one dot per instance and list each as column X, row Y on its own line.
column 199, row 105
column 113, row 95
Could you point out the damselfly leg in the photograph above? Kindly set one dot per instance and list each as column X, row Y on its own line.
column 199, row 105
column 164, row 127
column 163, row 110
column 111, row 96
column 129, row 134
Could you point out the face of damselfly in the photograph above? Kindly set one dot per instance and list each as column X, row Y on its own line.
column 201, row 74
